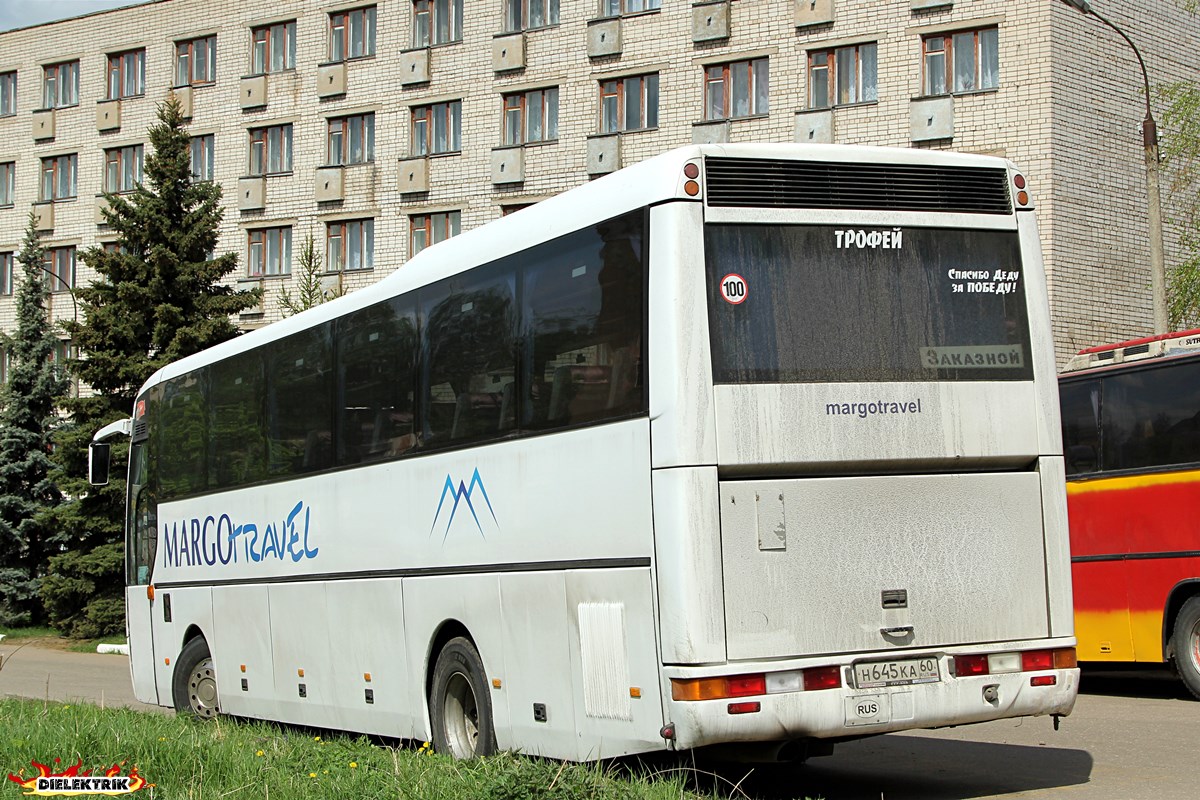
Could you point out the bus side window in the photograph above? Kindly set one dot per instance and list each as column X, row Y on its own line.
column 1081, row 426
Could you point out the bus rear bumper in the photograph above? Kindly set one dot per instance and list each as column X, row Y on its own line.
column 849, row 712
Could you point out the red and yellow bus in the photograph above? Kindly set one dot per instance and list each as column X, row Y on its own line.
column 1131, row 438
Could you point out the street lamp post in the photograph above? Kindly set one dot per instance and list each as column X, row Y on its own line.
column 1158, row 272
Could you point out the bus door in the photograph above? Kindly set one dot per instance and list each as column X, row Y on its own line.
column 141, row 530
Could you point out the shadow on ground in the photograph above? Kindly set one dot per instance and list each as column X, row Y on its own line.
column 1132, row 680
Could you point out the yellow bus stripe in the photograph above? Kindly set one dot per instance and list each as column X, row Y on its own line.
column 1132, row 482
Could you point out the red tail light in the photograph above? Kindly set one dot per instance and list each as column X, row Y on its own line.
column 822, row 678
column 970, row 665
column 1033, row 660
column 745, row 685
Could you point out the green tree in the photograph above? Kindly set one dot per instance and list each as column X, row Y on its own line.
column 28, row 417
column 158, row 297
column 309, row 291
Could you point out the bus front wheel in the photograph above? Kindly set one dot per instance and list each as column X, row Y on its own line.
column 1186, row 643
column 460, row 708
column 194, row 682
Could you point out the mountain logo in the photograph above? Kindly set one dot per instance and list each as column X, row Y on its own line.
column 463, row 492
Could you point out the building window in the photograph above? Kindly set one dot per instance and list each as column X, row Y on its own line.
column 350, row 245
column 273, row 48
column 735, row 90
column 512, row 208
column 196, row 61
column 629, row 104
column 4, row 365
column 427, row 229
column 437, row 128
column 8, row 181
column 271, row 150
column 351, row 140
column 352, row 34
column 6, row 273
column 521, row 15
column 60, row 87
column 615, row 8
column 967, row 61
column 202, row 158
column 437, row 22
column 127, row 74
column 58, row 177
column 8, row 94
column 842, row 76
column 123, row 168
column 60, row 269
column 270, row 252
column 531, row 116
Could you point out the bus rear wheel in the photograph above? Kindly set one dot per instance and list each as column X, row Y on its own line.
column 1186, row 643
column 194, row 682
column 460, row 708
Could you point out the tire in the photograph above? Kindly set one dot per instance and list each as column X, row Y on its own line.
column 1185, row 640
column 460, row 707
column 194, row 682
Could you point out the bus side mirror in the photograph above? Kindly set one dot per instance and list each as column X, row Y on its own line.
column 98, row 461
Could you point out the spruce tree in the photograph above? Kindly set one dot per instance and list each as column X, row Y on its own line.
column 310, row 291
column 158, row 297
column 28, row 417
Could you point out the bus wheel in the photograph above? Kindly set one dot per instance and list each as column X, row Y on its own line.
column 1186, row 641
column 194, row 682
column 460, row 708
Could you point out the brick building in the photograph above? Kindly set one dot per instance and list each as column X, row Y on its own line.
column 381, row 127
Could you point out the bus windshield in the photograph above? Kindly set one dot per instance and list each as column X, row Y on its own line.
column 831, row 304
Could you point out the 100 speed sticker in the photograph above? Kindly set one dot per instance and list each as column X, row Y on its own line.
column 734, row 289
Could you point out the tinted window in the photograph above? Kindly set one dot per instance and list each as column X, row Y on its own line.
column 183, row 437
column 376, row 349
column 1152, row 417
column 826, row 304
column 238, row 447
column 583, row 326
column 1080, row 402
column 299, row 403
column 470, row 323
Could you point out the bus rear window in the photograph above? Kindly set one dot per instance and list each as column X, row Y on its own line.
column 825, row 304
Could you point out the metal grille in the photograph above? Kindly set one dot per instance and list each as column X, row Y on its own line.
column 770, row 183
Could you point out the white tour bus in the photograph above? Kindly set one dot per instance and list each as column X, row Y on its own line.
column 746, row 445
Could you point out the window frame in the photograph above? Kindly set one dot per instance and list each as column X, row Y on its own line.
column 186, row 63
column 435, row 227
column 118, row 158
column 832, row 80
column 427, row 19
column 342, row 131
column 125, row 76
column 261, row 140
column 54, row 82
column 519, row 102
column 341, row 34
column 619, row 94
column 518, row 14
column 52, row 167
column 8, row 183
column 424, row 124
column 207, row 148
column 7, row 262
column 8, row 93
column 343, row 234
column 259, row 242
column 58, row 261
column 263, row 47
column 947, row 56
column 726, row 78
column 623, row 8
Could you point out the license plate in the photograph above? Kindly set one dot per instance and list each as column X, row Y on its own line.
column 872, row 674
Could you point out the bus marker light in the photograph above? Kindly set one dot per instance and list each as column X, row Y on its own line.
column 299, row 673
column 635, row 692
column 691, row 188
column 965, row 666
column 150, row 592
column 691, row 170
column 822, row 678
column 745, row 708
column 999, row 663
column 1033, row 660
column 367, row 677
column 1019, row 181
column 1043, row 680
column 495, row 683
column 243, row 666
column 167, row 661
column 1023, row 198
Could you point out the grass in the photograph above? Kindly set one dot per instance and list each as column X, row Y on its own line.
column 15, row 634
column 51, row 637
column 239, row 759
